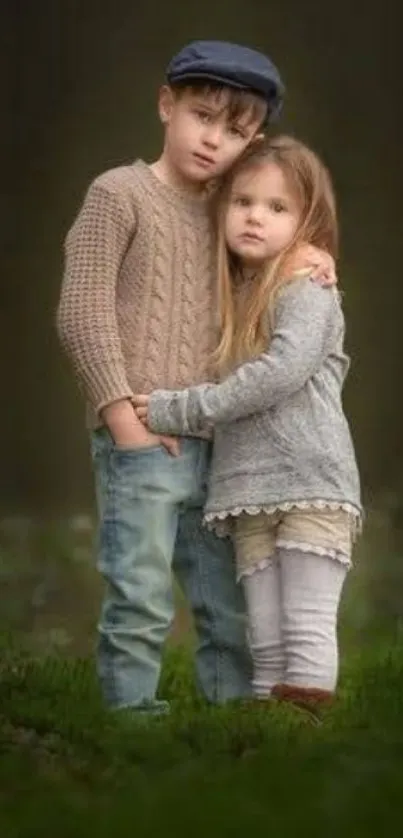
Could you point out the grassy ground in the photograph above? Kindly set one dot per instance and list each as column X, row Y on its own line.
column 67, row 767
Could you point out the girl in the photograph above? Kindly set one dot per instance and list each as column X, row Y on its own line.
column 284, row 481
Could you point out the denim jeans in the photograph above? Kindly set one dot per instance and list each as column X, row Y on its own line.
column 150, row 522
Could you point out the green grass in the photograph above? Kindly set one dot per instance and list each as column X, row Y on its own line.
column 68, row 767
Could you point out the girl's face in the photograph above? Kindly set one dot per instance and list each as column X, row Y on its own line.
column 262, row 215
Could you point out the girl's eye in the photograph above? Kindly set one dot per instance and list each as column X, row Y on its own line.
column 278, row 207
column 242, row 201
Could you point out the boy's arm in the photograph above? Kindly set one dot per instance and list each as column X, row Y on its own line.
column 86, row 315
column 305, row 319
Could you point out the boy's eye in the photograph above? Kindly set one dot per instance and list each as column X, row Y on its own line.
column 204, row 116
column 235, row 131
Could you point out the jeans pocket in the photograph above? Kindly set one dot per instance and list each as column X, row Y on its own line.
column 135, row 449
column 133, row 462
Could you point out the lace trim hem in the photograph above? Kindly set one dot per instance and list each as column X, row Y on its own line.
column 335, row 555
column 285, row 506
column 219, row 521
column 305, row 547
column 249, row 571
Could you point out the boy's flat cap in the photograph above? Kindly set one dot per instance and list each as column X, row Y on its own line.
column 229, row 64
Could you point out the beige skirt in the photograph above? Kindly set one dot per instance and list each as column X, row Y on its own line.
column 328, row 532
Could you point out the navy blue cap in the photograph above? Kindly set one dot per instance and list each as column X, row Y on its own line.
column 232, row 65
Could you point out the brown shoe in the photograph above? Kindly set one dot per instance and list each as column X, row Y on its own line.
column 310, row 699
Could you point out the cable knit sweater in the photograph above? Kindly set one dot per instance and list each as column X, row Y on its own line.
column 281, row 438
column 136, row 310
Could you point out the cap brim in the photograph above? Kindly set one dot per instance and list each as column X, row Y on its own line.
column 212, row 77
column 274, row 109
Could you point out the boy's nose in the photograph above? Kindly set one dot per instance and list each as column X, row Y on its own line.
column 212, row 136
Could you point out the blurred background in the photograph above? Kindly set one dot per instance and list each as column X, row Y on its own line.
column 81, row 81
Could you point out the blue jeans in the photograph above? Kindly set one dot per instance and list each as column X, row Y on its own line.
column 150, row 510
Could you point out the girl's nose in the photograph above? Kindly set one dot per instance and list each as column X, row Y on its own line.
column 255, row 215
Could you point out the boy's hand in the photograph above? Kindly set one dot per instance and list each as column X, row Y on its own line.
column 322, row 264
column 127, row 430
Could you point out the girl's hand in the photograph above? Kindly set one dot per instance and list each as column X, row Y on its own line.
column 140, row 404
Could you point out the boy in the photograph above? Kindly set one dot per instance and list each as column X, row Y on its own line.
column 136, row 313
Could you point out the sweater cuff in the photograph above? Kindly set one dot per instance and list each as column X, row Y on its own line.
column 103, row 390
column 167, row 412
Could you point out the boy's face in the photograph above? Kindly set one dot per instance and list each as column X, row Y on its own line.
column 202, row 139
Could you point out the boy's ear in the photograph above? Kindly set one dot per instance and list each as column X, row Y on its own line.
column 259, row 138
column 165, row 103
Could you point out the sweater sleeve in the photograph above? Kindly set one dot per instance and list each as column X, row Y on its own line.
column 86, row 317
column 306, row 315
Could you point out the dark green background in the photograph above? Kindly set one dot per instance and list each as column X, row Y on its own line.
column 84, row 76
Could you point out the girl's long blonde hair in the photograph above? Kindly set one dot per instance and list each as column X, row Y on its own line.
column 246, row 330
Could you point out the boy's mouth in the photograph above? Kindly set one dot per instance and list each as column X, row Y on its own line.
column 204, row 160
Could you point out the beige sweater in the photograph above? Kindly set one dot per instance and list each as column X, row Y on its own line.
column 136, row 310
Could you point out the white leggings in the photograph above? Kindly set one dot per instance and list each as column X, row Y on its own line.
column 292, row 605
